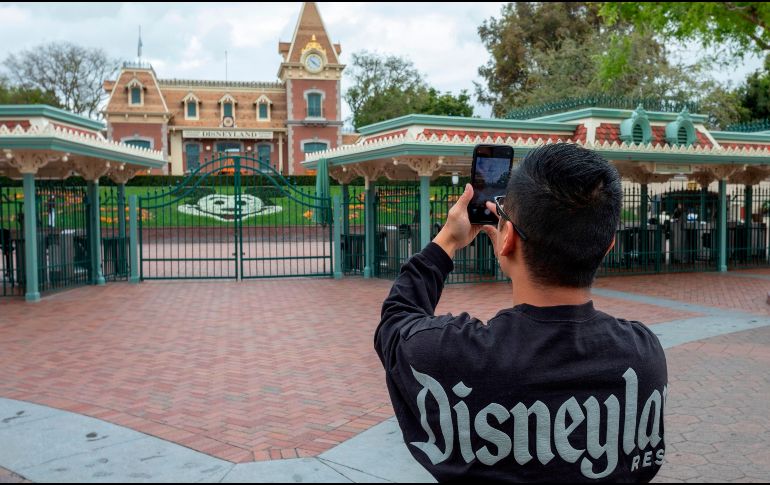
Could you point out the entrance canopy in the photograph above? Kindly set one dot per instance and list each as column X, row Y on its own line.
column 53, row 143
column 646, row 146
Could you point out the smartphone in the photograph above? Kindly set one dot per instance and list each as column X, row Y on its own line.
column 490, row 171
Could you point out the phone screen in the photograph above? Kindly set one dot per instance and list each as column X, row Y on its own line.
column 489, row 178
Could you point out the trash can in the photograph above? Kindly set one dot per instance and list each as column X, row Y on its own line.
column 353, row 251
column 114, row 257
column 398, row 246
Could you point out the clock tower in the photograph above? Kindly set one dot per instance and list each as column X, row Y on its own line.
column 311, row 72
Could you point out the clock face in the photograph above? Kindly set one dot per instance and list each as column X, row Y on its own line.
column 313, row 62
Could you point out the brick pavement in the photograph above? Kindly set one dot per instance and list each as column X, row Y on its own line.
column 712, row 289
column 717, row 422
column 7, row 476
column 250, row 371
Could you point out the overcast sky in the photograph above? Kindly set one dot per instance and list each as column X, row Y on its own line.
column 188, row 40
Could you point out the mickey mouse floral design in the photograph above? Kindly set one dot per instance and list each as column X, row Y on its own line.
column 223, row 207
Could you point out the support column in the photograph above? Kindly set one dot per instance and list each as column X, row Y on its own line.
column 337, row 255
column 424, row 210
column 133, row 245
column 748, row 201
column 30, row 239
column 280, row 153
column 122, row 235
column 96, row 233
column 644, row 250
column 369, row 242
column 723, row 225
column 345, row 209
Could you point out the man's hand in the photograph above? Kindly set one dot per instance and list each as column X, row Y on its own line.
column 492, row 231
column 458, row 231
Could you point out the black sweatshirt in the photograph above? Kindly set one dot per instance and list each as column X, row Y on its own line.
column 562, row 393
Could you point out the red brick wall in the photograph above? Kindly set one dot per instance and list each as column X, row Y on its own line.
column 329, row 111
column 329, row 107
column 142, row 130
column 302, row 133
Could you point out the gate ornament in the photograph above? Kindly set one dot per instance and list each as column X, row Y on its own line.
column 224, row 207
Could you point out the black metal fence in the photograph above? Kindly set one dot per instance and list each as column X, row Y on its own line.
column 748, row 238
column 666, row 229
column 113, row 216
column 11, row 211
column 397, row 222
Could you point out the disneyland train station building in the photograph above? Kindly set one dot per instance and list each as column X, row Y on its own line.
column 694, row 199
column 277, row 122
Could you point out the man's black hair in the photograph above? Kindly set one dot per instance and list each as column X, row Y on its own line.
column 566, row 199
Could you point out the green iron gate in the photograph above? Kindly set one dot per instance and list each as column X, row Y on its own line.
column 234, row 217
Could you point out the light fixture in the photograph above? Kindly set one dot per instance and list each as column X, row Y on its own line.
column 208, row 148
column 455, row 178
column 248, row 148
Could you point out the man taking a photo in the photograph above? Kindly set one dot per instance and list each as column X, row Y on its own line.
column 550, row 389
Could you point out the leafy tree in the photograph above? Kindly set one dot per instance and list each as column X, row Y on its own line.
column 447, row 104
column 523, row 30
column 16, row 95
column 74, row 74
column 382, row 87
column 385, row 87
column 755, row 94
column 567, row 52
column 745, row 26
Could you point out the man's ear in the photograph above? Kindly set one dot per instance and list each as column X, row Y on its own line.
column 612, row 245
column 509, row 239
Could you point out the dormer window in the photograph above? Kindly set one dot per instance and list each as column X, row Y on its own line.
column 135, row 93
column 636, row 130
column 263, row 108
column 227, row 104
column 191, row 103
column 682, row 131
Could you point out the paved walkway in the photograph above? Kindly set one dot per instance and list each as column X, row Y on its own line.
column 219, row 375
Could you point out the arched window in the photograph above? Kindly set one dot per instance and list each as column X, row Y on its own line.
column 263, row 108
column 314, row 146
column 228, row 103
column 138, row 142
column 135, row 93
column 314, row 105
column 191, row 107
